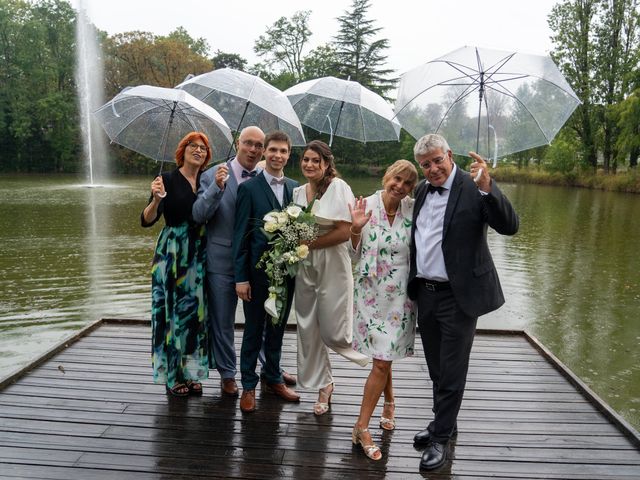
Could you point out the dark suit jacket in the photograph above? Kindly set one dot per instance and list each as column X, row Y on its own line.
column 254, row 200
column 473, row 276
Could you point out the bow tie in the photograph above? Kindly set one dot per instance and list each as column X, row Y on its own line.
column 277, row 181
column 431, row 189
column 246, row 174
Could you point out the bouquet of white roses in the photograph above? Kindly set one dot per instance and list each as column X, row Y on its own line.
column 288, row 231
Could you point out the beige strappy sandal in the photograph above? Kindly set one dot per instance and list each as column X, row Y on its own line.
column 320, row 408
column 372, row 450
column 388, row 423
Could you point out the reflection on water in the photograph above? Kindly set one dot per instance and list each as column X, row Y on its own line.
column 71, row 255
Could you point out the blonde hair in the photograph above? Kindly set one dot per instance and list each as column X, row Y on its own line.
column 401, row 167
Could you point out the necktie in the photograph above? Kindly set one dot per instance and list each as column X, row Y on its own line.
column 246, row 174
column 431, row 189
column 277, row 181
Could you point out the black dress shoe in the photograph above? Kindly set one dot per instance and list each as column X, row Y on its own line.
column 434, row 456
column 424, row 437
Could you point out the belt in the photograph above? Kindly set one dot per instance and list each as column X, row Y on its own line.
column 435, row 286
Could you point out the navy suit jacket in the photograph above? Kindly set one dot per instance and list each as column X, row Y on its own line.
column 254, row 200
column 473, row 276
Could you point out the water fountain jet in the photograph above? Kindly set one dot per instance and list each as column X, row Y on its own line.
column 89, row 83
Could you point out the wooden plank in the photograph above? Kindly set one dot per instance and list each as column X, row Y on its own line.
column 104, row 418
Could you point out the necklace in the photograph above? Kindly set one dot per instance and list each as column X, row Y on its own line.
column 384, row 206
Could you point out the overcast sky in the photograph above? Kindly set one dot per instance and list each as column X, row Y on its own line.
column 417, row 30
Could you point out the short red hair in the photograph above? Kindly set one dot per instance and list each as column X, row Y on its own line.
column 186, row 140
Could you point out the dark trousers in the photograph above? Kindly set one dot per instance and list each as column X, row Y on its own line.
column 259, row 328
column 447, row 336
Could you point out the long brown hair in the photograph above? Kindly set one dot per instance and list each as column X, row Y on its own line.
column 186, row 140
column 330, row 173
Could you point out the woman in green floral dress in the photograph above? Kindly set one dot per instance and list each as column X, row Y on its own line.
column 178, row 305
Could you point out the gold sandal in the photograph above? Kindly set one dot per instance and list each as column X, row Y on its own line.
column 388, row 423
column 372, row 450
column 320, row 408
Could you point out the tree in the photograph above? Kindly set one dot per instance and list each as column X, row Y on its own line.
column 359, row 55
column 320, row 62
column 616, row 57
column 627, row 114
column 284, row 42
column 571, row 22
column 135, row 58
column 38, row 113
column 228, row 60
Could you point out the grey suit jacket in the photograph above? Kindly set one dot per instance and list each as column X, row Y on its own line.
column 217, row 208
column 473, row 276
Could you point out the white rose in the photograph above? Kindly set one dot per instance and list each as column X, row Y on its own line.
column 282, row 218
column 302, row 251
column 270, row 217
column 271, row 227
column 294, row 211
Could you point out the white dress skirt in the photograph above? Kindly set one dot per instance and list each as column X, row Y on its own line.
column 324, row 293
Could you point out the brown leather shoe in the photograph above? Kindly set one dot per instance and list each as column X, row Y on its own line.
column 288, row 378
column 248, row 401
column 229, row 386
column 283, row 392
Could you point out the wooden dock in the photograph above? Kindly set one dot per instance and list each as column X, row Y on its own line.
column 88, row 410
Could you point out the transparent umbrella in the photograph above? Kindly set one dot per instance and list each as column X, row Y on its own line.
column 243, row 99
column 345, row 109
column 489, row 101
column 152, row 121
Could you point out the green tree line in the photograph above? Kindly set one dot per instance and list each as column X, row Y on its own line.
column 596, row 46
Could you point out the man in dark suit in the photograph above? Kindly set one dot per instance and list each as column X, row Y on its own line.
column 452, row 276
column 269, row 190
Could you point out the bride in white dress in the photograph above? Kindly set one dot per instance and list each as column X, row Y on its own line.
column 324, row 289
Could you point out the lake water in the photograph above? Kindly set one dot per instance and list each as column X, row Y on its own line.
column 71, row 255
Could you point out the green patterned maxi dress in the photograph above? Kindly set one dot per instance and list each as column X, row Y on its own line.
column 178, row 303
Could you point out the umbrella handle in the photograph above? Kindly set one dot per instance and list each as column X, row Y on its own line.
column 330, row 130
column 477, row 177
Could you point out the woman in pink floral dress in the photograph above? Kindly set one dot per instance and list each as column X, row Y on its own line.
column 384, row 317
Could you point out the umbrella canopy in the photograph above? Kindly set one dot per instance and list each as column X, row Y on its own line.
column 243, row 100
column 489, row 101
column 152, row 121
column 345, row 109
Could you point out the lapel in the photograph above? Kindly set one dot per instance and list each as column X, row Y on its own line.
column 232, row 183
column 266, row 188
column 454, row 196
column 288, row 192
column 421, row 194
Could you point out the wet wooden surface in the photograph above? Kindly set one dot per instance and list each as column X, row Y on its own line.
column 92, row 412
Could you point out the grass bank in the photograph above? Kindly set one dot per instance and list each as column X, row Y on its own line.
column 628, row 182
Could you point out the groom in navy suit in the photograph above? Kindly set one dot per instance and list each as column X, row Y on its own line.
column 269, row 190
column 452, row 276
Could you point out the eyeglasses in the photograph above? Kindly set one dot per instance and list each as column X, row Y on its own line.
column 250, row 144
column 436, row 161
column 196, row 146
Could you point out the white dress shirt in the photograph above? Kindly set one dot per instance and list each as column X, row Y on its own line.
column 237, row 169
column 277, row 185
column 429, row 229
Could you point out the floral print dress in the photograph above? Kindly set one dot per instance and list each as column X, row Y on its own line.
column 384, row 317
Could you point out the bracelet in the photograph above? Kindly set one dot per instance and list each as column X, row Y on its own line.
column 354, row 233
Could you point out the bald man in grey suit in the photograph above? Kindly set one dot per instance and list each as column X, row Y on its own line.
column 216, row 206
